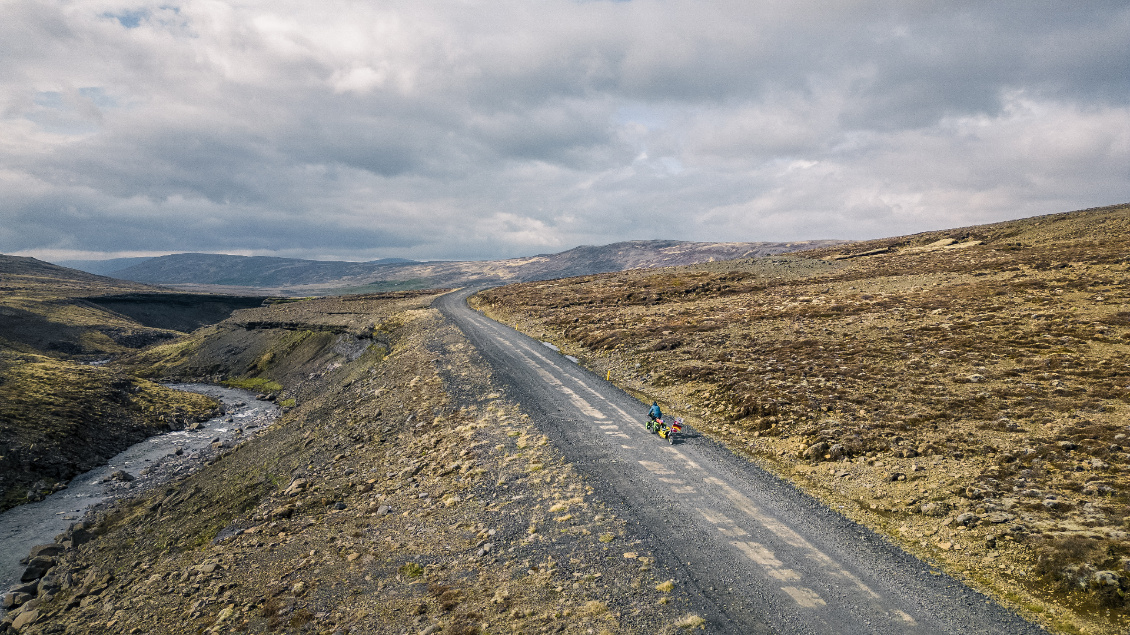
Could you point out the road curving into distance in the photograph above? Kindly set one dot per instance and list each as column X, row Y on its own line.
column 751, row 552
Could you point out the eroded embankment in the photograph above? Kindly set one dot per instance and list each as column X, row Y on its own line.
column 399, row 493
column 59, row 419
column 139, row 468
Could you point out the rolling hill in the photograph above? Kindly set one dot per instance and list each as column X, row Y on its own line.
column 964, row 392
column 291, row 276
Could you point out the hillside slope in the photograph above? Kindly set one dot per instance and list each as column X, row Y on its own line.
column 61, row 415
column 965, row 392
column 401, row 493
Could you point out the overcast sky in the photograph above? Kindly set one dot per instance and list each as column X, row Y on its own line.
column 473, row 130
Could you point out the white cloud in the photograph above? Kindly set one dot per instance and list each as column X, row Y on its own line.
column 491, row 129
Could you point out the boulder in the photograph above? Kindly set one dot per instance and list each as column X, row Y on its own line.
column 1098, row 488
column 27, row 587
column 25, row 619
column 296, row 487
column 36, row 568
column 96, row 582
column 815, row 452
column 209, row 567
column 122, row 476
column 80, row 536
column 1106, row 579
column 12, row 600
column 966, row 519
column 49, row 584
column 1054, row 504
column 50, row 550
column 999, row 517
column 933, row 509
column 283, row 512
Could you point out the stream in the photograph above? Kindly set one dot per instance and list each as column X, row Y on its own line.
column 152, row 462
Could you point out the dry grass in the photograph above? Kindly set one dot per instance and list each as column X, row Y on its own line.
column 452, row 547
column 971, row 402
column 59, row 418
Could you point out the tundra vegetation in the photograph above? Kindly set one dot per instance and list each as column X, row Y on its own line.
column 401, row 492
column 61, row 411
column 964, row 392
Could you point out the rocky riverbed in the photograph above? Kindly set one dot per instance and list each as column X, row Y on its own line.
column 26, row 530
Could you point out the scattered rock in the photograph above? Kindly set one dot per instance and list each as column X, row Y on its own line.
column 1106, row 579
column 501, row 596
column 966, row 519
column 1098, row 488
column 1054, row 504
column 285, row 511
column 933, row 509
column 122, row 476
column 999, row 517
column 296, row 487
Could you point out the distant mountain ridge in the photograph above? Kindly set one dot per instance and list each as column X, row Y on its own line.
column 254, row 271
column 102, row 267
column 298, row 276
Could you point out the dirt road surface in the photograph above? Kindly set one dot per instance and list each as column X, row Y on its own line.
column 753, row 553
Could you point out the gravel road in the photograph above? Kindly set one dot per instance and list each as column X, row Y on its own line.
column 753, row 553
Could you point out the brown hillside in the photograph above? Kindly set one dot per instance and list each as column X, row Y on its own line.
column 59, row 414
column 964, row 391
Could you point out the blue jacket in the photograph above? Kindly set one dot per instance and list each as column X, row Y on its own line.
column 654, row 413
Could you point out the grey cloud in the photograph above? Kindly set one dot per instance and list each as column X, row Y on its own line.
column 436, row 130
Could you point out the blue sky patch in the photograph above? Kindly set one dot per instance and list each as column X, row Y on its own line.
column 129, row 19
